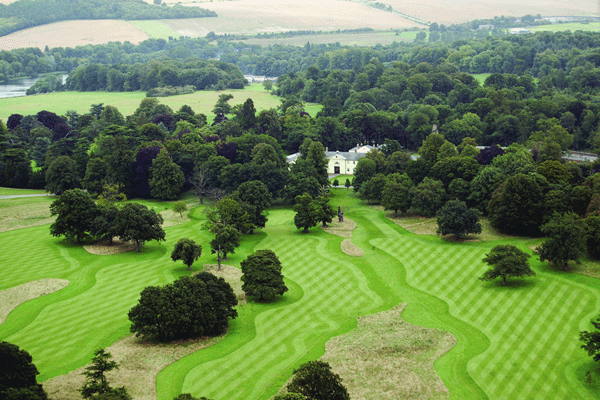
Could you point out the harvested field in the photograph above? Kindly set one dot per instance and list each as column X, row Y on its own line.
column 13, row 297
column 457, row 11
column 258, row 16
column 73, row 33
column 387, row 358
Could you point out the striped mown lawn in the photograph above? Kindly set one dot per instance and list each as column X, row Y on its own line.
column 514, row 342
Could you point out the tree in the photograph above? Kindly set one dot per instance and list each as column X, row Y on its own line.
column 75, row 211
column 326, row 211
column 254, row 197
column 428, row 197
column 347, row 183
column 186, row 250
column 372, row 190
column 96, row 382
column 289, row 396
column 188, row 396
column 307, row 213
column 62, row 175
column 591, row 340
column 506, row 260
column 315, row 380
column 455, row 219
column 228, row 212
column 566, row 240
column 18, row 374
column 180, row 207
column 166, row 177
column 227, row 238
column 262, row 275
column 135, row 222
column 189, row 307
column 396, row 193
column 222, row 107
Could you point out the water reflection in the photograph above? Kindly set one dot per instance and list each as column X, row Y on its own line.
column 18, row 87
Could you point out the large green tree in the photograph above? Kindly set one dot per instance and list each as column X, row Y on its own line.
column 262, row 275
column 428, row 197
column 75, row 212
column 506, row 260
column 166, row 177
column 307, row 213
column 591, row 340
column 315, row 380
column 454, row 218
column 187, row 251
column 62, row 175
column 18, row 374
column 254, row 197
column 566, row 240
column 227, row 238
column 136, row 223
column 396, row 193
column 189, row 307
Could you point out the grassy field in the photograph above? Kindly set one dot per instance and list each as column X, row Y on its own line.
column 481, row 77
column 518, row 341
column 593, row 26
column 127, row 102
column 156, row 29
column 345, row 39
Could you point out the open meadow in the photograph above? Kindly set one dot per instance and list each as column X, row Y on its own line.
column 127, row 102
column 517, row 341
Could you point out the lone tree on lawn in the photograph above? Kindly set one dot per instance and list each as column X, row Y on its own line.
column 196, row 306
column 566, row 240
column 591, row 340
column 325, row 210
column 180, row 207
column 227, row 238
column 316, row 381
column 455, row 219
column 307, row 213
column 139, row 224
column 18, row 374
column 75, row 212
column 96, row 382
column 262, row 275
column 506, row 260
column 186, row 250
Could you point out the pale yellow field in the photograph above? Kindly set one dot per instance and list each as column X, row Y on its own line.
column 73, row 33
column 454, row 11
column 257, row 16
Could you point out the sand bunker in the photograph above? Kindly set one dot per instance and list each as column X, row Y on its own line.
column 13, row 297
column 105, row 249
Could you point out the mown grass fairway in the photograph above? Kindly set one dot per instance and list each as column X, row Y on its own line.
column 127, row 102
column 513, row 342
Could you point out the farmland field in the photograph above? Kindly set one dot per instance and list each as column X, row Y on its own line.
column 72, row 34
column 156, row 29
column 514, row 341
column 127, row 102
column 593, row 26
column 345, row 39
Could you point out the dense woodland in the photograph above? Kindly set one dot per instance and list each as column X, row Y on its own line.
column 24, row 14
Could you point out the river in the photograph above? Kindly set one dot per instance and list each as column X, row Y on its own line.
column 18, row 87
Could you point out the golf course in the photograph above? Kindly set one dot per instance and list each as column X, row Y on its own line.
column 518, row 341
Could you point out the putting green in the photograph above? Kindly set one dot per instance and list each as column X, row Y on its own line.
column 518, row 341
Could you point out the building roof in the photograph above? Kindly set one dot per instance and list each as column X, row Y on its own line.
column 348, row 155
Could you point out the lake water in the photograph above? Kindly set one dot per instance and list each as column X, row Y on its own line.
column 18, row 87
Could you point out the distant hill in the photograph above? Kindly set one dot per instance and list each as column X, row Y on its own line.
column 29, row 13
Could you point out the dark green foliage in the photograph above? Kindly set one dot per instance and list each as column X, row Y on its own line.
column 187, row 251
column 187, row 396
column 262, row 275
column 506, row 260
column 95, row 173
column 326, row 210
column 396, row 193
column 454, row 218
column 580, row 199
column 428, row 197
column 372, row 190
column 227, row 238
column 96, row 383
column 75, row 212
column 566, row 240
column 180, row 207
column 591, row 340
column 593, row 235
column 316, row 381
column 135, row 222
column 517, row 206
column 229, row 212
column 189, row 307
column 307, row 212
column 254, row 197
column 15, row 168
column 347, row 183
column 62, row 175
column 289, row 396
column 18, row 375
column 365, row 170
column 166, row 178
